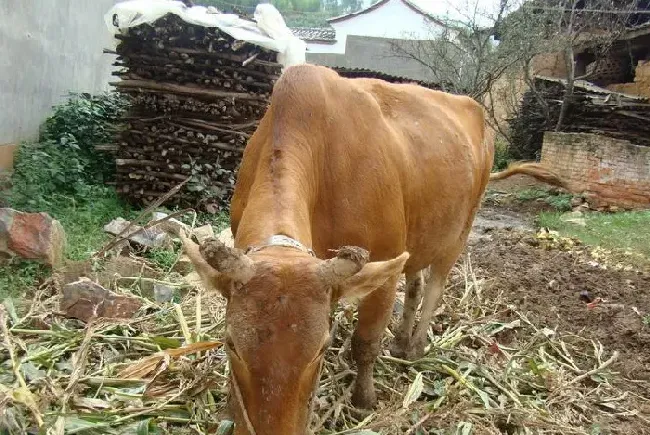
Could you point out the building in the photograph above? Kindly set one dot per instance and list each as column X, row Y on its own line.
column 390, row 19
column 366, row 39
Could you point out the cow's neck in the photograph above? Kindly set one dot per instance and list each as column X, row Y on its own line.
column 281, row 200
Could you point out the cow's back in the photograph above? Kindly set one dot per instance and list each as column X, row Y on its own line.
column 389, row 167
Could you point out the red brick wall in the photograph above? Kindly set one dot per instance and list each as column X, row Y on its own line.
column 609, row 171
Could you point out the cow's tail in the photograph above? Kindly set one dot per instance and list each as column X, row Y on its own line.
column 535, row 170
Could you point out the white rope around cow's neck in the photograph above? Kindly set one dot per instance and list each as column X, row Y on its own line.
column 281, row 240
column 242, row 406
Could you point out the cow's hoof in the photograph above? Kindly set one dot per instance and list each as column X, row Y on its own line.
column 399, row 348
column 416, row 350
column 410, row 351
column 364, row 398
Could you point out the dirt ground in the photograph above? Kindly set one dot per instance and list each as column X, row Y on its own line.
column 564, row 289
column 555, row 287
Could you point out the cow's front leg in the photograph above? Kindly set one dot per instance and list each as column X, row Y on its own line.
column 374, row 314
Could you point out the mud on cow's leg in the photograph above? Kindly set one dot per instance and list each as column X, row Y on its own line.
column 374, row 314
column 413, row 296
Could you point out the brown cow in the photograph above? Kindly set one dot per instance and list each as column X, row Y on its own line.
column 396, row 169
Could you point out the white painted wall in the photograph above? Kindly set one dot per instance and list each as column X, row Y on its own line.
column 48, row 48
column 393, row 20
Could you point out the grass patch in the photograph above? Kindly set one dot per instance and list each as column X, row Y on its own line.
column 164, row 259
column 84, row 219
column 18, row 276
column 559, row 201
column 626, row 230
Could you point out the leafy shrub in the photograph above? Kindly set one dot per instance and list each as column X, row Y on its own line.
column 502, row 155
column 64, row 160
column 559, row 201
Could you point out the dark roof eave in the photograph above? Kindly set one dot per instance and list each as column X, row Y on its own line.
column 320, row 41
column 380, row 3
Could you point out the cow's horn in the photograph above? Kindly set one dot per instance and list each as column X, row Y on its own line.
column 348, row 261
column 231, row 262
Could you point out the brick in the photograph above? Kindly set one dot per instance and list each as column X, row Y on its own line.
column 615, row 172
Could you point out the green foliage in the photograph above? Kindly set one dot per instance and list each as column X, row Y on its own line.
column 164, row 259
column 300, row 19
column 63, row 175
column 297, row 13
column 559, row 201
column 64, row 161
column 220, row 221
column 17, row 276
column 501, row 154
column 248, row 6
column 83, row 217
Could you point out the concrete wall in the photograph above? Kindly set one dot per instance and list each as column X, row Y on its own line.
column 49, row 47
column 372, row 53
column 609, row 171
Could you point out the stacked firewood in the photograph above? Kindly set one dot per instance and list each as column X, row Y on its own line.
column 196, row 97
column 591, row 110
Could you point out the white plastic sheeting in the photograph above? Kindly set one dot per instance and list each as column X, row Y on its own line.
column 270, row 31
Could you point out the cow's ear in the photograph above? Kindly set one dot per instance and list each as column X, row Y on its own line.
column 212, row 279
column 371, row 277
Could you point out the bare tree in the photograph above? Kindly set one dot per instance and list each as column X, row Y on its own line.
column 598, row 22
column 463, row 58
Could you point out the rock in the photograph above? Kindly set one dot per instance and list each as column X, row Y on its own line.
column 574, row 217
column 33, row 236
column 86, row 300
column 183, row 265
column 162, row 293
column 203, row 233
column 150, row 238
column 127, row 270
column 171, row 226
column 577, row 201
column 130, row 271
column 586, row 296
column 583, row 208
column 226, row 237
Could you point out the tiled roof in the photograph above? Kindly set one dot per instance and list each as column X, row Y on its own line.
column 380, row 3
column 315, row 34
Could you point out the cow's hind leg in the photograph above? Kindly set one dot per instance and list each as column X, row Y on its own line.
column 375, row 311
column 412, row 298
column 431, row 301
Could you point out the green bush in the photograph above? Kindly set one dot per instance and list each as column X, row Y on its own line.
column 502, row 155
column 559, row 201
column 64, row 160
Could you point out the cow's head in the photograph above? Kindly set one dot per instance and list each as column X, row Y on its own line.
column 278, row 323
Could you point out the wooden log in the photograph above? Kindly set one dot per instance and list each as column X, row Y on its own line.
column 184, row 90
